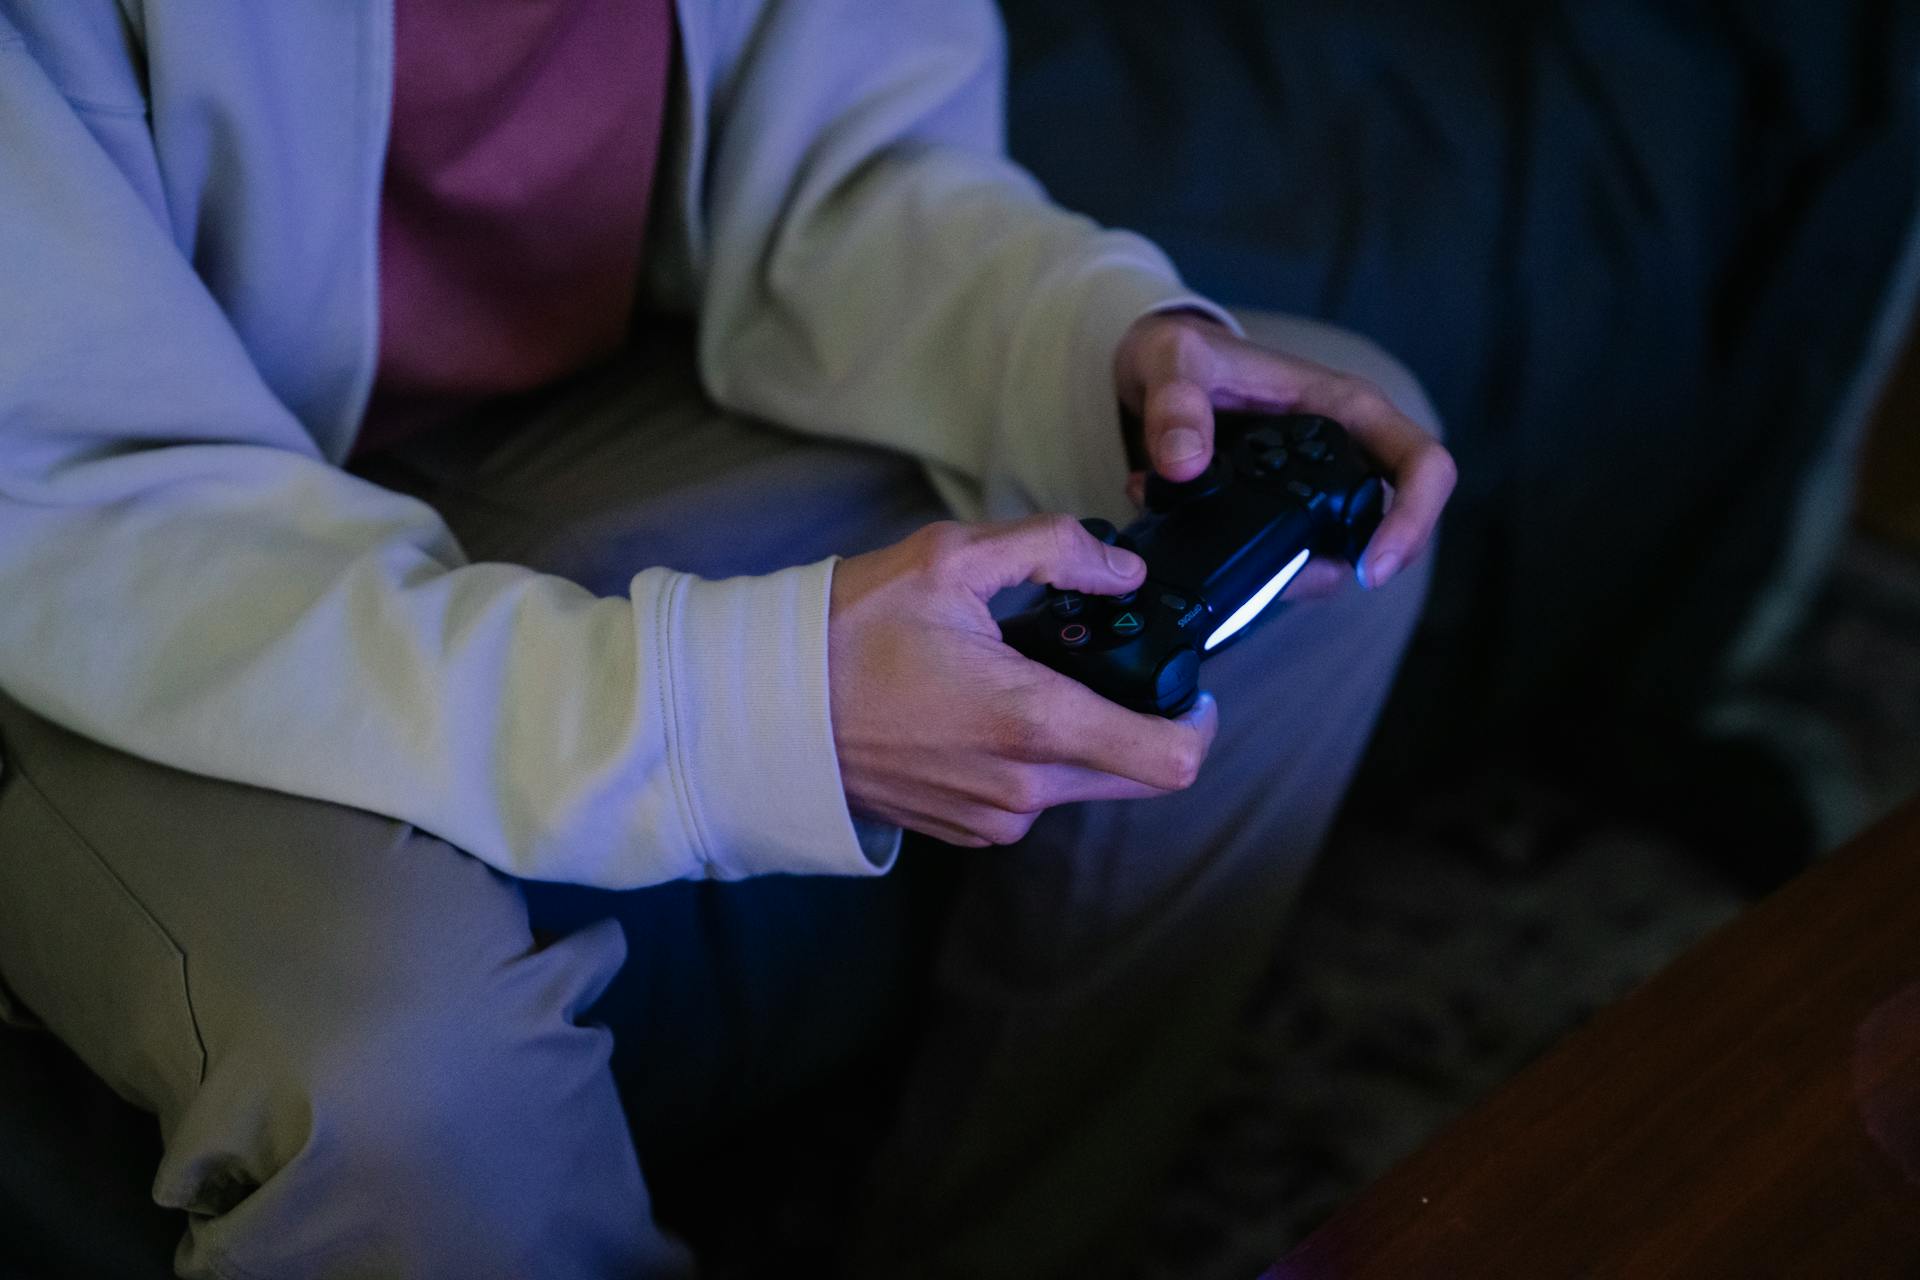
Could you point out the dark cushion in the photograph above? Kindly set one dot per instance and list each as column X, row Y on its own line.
column 1633, row 248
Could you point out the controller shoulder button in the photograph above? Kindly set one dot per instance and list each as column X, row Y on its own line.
column 1176, row 677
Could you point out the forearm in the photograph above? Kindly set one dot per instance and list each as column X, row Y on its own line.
column 184, row 577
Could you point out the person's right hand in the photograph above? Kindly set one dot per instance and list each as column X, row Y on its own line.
column 944, row 729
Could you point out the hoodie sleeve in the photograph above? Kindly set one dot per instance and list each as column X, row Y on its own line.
column 184, row 577
column 875, row 268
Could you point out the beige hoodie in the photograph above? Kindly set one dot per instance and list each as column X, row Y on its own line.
column 188, row 202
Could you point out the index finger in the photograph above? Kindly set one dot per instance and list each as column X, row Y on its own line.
column 1418, row 466
column 1088, row 730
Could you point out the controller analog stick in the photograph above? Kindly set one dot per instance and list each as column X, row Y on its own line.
column 1164, row 494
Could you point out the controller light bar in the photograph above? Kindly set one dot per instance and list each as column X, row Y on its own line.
column 1261, row 599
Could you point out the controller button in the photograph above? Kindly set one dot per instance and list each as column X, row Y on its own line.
column 1068, row 604
column 1101, row 529
column 1315, row 451
column 1302, row 490
column 1125, row 597
column 1307, row 427
column 1073, row 635
column 1274, row 459
column 1176, row 603
column 1127, row 624
column 1175, row 677
column 1266, row 438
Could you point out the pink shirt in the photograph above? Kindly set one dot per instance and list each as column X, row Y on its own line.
column 519, row 168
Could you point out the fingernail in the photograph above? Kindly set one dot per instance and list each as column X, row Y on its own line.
column 1380, row 569
column 1180, row 444
column 1122, row 562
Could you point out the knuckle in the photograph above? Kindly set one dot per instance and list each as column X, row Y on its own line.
column 1186, row 348
column 1361, row 400
column 1186, row 403
column 941, row 541
column 1025, row 792
column 1006, row 828
column 1183, row 764
column 940, row 548
column 1065, row 534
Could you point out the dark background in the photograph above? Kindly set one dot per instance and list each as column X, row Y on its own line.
column 1645, row 258
column 1634, row 251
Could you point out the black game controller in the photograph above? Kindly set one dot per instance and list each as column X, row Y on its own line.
column 1219, row 548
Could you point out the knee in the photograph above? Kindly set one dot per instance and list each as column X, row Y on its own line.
column 471, row 1088
column 426, row 1130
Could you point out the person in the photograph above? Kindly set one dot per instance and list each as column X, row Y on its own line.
column 429, row 439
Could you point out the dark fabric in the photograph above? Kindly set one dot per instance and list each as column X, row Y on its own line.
column 716, row 1025
column 760, row 1029
column 75, row 1165
column 1632, row 248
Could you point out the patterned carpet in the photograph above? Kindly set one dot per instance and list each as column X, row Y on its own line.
column 1439, row 951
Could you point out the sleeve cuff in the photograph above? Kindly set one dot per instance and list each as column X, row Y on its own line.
column 751, row 729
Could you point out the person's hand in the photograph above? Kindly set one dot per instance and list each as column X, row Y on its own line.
column 1174, row 369
column 943, row 729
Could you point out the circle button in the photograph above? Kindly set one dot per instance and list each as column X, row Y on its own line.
column 1073, row 635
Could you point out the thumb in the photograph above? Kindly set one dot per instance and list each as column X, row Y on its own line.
column 1177, row 429
column 1053, row 551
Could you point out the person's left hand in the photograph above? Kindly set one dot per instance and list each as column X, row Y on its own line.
column 1175, row 368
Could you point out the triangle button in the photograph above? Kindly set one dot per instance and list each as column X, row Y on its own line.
column 1127, row 624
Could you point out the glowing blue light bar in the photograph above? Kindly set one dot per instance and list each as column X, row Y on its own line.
column 1261, row 599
